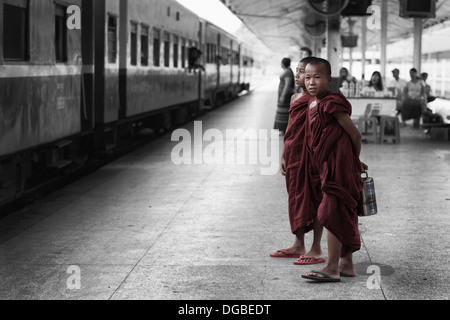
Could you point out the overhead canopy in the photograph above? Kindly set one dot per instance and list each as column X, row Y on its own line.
column 286, row 24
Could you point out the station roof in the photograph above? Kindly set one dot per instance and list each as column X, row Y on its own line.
column 281, row 23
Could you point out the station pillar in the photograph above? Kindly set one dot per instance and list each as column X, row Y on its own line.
column 334, row 49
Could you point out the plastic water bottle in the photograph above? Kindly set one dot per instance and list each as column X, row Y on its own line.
column 358, row 89
column 345, row 89
column 352, row 89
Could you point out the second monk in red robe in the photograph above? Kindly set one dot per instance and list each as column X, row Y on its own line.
column 336, row 148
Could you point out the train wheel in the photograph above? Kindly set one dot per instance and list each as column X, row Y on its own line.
column 13, row 175
column 219, row 99
column 212, row 100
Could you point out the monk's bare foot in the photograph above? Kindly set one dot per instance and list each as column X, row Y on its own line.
column 311, row 256
column 347, row 269
column 324, row 273
column 288, row 252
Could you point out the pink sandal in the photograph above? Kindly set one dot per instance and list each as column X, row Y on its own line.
column 314, row 260
column 285, row 254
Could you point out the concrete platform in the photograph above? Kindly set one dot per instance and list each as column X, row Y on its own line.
column 145, row 228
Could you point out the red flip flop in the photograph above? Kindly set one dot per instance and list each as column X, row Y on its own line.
column 285, row 254
column 314, row 260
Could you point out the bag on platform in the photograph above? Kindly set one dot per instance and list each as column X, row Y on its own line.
column 369, row 200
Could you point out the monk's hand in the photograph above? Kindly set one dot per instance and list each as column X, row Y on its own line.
column 283, row 166
column 364, row 167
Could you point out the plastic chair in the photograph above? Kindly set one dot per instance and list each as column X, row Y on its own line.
column 389, row 129
column 368, row 128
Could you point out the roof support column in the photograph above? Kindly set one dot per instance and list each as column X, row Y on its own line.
column 350, row 24
column 334, row 48
column 417, row 60
column 384, row 16
column 363, row 47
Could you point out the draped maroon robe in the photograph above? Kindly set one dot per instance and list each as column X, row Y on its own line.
column 297, row 153
column 340, row 172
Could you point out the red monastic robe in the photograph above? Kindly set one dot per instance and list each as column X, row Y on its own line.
column 297, row 148
column 340, row 172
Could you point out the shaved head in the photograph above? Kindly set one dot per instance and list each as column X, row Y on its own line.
column 316, row 61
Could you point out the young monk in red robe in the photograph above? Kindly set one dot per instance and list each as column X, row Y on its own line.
column 336, row 150
column 295, row 165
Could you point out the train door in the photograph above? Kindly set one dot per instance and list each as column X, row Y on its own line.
column 238, row 61
column 107, row 101
column 87, row 89
column 124, row 41
column 201, row 75
column 218, row 61
column 231, row 62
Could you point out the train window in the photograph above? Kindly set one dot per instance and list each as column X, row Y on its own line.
column 134, row 44
column 144, row 46
column 237, row 58
column 175, row 52
column 211, row 52
column 224, row 55
column 156, row 47
column 194, row 55
column 15, row 30
column 166, row 49
column 112, row 39
column 214, row 54
column 183, row 53
column 60, row 34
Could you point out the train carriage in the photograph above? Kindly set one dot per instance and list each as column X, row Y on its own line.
column 69, row 95
column 246, row 71
column 40, row 86
column 105, row 91
column 156, row 64
column 142, row 67
column 222, row 79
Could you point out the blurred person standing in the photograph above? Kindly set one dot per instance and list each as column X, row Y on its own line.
column 305, row 52
column 397, row 84
column 430, row 97
column 285, row 92
column 414, row 103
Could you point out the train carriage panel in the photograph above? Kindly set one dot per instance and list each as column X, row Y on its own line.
column 222, row 81
column 40, row 82
column 234, row 62
column 159, row 34
column 225, row 54
column 211, row 78
column 246, row 66
column 107, row 100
